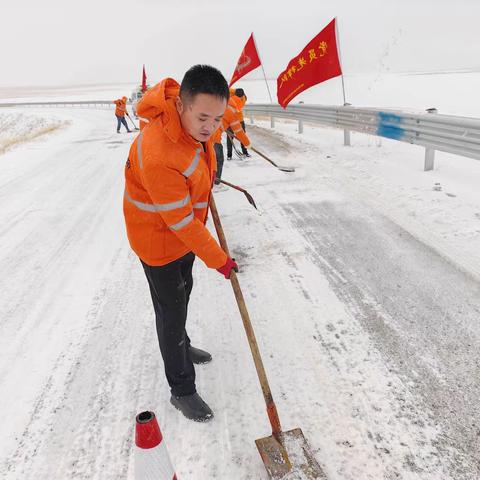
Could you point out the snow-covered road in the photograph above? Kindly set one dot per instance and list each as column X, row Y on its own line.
column 370, row 332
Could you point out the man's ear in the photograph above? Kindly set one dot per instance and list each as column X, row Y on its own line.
column 179, row 105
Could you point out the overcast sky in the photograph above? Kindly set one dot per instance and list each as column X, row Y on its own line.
column 62, row 42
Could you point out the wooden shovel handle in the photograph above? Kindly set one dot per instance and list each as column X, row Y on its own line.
column 247, row 324
column 256, row 151
column 264, row 156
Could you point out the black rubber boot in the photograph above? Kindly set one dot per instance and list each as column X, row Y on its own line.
column 199, row 356
column 193, row 407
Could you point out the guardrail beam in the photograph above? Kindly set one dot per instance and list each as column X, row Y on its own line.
column 447, row 133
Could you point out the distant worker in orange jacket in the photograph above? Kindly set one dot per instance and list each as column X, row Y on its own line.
column 168, row 179
column 120, row 111
column 238, row 99
column 231, row 123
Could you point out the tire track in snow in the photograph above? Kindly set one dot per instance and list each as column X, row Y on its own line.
column 412, row 322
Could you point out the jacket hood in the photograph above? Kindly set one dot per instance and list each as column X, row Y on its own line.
column 159, row 102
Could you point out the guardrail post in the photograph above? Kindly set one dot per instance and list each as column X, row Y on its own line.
column 300, row 124
column 429, row 152
column 346, row 133
column 272, row 122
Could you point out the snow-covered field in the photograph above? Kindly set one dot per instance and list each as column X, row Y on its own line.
column 361, row 279
column 453, row 93
column 65, row 93
column 16, row 127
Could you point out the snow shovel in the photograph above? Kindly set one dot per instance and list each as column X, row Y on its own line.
column 282, row 168
column 286, row 455
column 133, row 123
column 250, row 199
column 237, row 152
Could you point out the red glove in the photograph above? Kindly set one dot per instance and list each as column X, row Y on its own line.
column 228, row 267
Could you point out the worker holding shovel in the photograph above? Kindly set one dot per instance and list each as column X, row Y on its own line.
column 230, row 123
column 120, row 111
column 169, row 174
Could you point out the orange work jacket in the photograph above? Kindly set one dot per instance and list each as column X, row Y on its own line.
column 239, row 104
column 168, row 181
column 121, row 107
column 231, row 119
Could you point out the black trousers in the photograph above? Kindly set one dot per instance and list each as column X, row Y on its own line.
column 121, row 121
column 170, row 287
column 229, row 142
column 219, row 154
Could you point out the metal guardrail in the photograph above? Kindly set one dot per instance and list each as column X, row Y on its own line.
column 447, row 133
column 77, row 103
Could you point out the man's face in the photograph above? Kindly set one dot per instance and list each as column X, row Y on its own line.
column 201, row 115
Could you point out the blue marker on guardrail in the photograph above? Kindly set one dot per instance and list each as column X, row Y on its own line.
column 389, row 125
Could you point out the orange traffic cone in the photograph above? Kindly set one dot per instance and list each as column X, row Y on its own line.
column 151, row 457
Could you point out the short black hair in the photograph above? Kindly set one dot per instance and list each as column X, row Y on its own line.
column 239, row 92
column 204, row 79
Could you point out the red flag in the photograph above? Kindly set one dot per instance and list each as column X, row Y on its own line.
column 317, row 62
column 144, row 80
column 248, row 61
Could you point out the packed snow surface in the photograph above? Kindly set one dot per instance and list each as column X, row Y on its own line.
column 361, row 279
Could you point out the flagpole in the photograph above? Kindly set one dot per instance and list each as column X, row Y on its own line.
column 340, row 57
column 263, row 70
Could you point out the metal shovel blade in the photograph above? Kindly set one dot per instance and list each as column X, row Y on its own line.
column 286, row 169
column 289, row 457
column 250, row 199
column 282, row 168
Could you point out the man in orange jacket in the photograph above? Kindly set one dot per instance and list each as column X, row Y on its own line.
column 168, row 179
column 237, row 100
column 120, row 111
column 230, row 123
